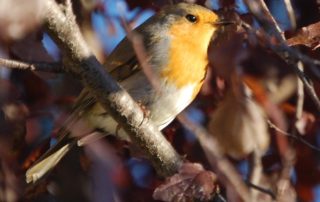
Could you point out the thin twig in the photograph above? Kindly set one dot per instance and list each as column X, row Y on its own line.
column 300, row 99
column 268, row 21
column 297, row 137
column 300, row 94
column 261, row 189
column 35, row 66
column 291, row 14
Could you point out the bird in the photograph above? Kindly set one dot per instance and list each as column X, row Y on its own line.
column 175, row 40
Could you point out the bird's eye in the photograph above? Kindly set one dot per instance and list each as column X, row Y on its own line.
column 191, row 18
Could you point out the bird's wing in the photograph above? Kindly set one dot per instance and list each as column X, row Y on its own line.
column 121, row 64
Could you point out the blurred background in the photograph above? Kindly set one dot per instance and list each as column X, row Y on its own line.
column 35, row 104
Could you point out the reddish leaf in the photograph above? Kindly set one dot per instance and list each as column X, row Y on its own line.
column 192, row 182
column 308, row 36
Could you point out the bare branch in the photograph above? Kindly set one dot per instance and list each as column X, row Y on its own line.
column 35, row 66
column 297, row 137
column 260, row 10
column 111, row 96
column 291, row 14
column 300, row 100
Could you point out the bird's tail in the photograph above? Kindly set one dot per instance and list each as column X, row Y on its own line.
column 65, row 141
column 51, row 158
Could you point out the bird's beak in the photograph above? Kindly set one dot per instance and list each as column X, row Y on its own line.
column 224, row 22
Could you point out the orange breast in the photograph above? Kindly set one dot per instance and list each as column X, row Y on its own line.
column 187, row 61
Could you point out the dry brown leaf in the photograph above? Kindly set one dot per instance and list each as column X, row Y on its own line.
column 308, row 36
column 192, row 182
column 239, row 124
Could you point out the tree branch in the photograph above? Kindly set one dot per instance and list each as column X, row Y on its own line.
column 290, row 11
column 80, row 61
column 34, row 66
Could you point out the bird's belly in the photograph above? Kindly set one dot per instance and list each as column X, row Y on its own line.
column 162, row 109
column 169, row 103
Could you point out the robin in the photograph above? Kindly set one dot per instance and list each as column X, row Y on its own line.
column 176, row 41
